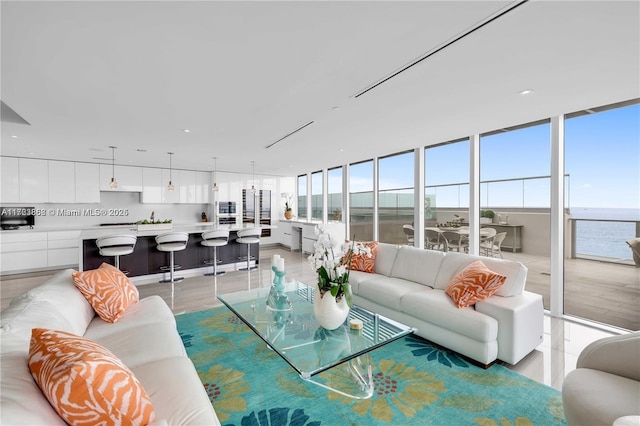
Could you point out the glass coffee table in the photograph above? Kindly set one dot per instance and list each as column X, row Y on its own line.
column 290, row 329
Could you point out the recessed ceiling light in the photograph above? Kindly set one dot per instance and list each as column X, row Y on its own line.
column 336, row 108
column 526, row 92
column 186, row 130
column 14, row 136
column 341, row 149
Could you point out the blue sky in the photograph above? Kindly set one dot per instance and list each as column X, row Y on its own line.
column 602, row 157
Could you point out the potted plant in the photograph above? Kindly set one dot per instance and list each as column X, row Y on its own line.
column 288, row 211
column 486, row 216
column 331, row 261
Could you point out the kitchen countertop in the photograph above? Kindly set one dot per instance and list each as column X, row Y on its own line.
column 195, row 228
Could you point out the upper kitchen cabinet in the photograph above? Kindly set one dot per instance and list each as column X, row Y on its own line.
column 230, row 187
column 87, row 183
column 194, row 187
column 203, row 187
column 10, row 180
column 187, row 190
column 62, row 182
column 151, row 186
column 34, row 180
column 129, row 178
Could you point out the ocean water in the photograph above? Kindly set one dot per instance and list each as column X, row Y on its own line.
column 605, row 238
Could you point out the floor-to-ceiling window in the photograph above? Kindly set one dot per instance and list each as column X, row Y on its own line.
column 302, row 197
column 602, row 173
column 361, row 200
column 334, row 196
column 316, row 195
column 515, row 198
column 602, row 161
column 395, row 196
column 446, row 178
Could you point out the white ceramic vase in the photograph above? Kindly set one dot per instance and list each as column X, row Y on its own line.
column 329, row 313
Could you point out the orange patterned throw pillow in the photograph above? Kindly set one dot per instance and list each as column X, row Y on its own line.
column 109, row 291
column 361, row 262
column 475, row 282
column 85, row 383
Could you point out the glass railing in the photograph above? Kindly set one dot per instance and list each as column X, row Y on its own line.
column 603, row 239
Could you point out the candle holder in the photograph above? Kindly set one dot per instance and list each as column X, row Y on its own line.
column 278, row 280
column 278, row 304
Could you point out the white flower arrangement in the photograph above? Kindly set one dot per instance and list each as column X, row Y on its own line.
column 332, row 260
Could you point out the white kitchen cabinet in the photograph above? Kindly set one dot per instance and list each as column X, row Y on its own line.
column 282, row 233
column 87, row 183
column 129, row 178
column 203, row 187
column 10, row 180
column 170, row 196
column 63, row 248
column 151, row 189
column 187, row 192
column 23, row 251
column 62, row 182
column 34, row 180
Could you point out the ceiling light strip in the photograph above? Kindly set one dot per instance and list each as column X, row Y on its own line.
column 444, row 46
column 290, row 134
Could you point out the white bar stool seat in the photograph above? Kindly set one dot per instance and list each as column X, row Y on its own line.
column 215, row 239
column 249, row 236
column 116, row 245
column 172, row 242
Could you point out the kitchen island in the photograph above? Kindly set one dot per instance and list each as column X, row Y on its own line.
column 146, row 261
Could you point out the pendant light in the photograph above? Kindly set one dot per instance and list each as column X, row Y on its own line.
column 214, row 187
column 113, row 184
column 170, row 187
column 253, row 187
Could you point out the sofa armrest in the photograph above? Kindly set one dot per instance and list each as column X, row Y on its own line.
column 520, row 323
column 619, row 355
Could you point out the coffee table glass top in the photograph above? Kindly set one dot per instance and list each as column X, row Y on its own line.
column 293, row 333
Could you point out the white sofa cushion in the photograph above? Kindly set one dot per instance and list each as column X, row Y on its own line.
column 386, row 291
column 436, row 307
column 67, row 300
column 594, row 397
column 22, row 401
column 515, row 272
column 149, row 310
column 385, row 258
column 176, row 392
column 144, row 344
column 356, row 277
column 417, row 265
column 18, row 320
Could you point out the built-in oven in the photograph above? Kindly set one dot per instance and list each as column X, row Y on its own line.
column 227, row 220
column 226, row 207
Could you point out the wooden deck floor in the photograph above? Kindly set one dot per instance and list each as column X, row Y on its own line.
column 599, row 291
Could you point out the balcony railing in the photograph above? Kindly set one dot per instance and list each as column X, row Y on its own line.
column 602, row 239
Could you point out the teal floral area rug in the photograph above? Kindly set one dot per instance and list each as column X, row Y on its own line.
column 416, row 383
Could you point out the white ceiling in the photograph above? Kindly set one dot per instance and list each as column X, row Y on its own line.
column 241, row 75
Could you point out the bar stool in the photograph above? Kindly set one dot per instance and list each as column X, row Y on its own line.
column 215, row 239
column 249, row 236
column 172, row 242
column 116, row 245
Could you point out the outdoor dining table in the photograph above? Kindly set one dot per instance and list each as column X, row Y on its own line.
column 462, row 230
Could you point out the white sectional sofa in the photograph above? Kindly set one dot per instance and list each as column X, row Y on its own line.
column 145, row 338
column 408, row 285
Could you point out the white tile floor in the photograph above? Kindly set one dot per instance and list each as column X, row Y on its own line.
column 548, row 364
